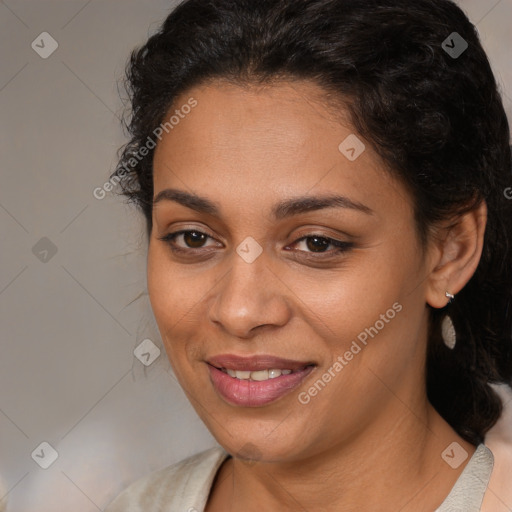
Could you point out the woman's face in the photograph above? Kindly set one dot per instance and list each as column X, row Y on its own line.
column 257, row 284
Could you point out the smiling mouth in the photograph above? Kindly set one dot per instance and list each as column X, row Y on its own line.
column 256, row 381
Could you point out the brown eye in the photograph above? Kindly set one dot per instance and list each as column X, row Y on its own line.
column 319, row 244
column 194, row 239
column 191, row 239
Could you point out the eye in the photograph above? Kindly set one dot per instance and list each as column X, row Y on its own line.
column 193, row 239
column 318, row 244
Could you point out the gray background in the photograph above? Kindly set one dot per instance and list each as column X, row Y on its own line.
column 71, row 320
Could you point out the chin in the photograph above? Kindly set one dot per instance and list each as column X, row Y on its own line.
column 269, row 441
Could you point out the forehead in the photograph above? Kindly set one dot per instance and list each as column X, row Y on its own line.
column 266, row 142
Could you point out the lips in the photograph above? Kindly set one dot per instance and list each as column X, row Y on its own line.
column 245, row 391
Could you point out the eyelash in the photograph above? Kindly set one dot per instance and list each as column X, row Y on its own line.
column 341, row 247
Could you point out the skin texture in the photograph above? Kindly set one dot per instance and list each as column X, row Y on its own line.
column 369, row 440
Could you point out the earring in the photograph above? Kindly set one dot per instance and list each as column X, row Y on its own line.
column 447, row 327
column 448, row 332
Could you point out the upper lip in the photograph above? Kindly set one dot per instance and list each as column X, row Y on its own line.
column 255, row 362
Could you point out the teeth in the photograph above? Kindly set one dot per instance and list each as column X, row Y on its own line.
column 242, row 374
column 258, row 375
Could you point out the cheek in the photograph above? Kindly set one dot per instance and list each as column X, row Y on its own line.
column 177, row 295
column 169, row 296
column 158, row 281
column 172, row 290
column 340, row 304
column 366, row 315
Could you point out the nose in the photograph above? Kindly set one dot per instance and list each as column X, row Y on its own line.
column 249, row 297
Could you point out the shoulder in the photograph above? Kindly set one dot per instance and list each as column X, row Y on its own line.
column 182, row 486
column 499, row 440
column 468, row 492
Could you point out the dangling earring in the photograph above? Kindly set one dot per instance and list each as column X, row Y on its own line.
column 447, row 327
column 448, row 332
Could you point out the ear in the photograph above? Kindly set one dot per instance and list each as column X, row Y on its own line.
column 455, row 250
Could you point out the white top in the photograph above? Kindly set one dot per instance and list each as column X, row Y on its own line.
column 185, row 486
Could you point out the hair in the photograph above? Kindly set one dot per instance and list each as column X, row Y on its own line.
column 436, row 120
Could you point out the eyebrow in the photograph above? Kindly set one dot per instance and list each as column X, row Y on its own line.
column 283, row 209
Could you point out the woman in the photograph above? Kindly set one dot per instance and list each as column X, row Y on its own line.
column 324, row 184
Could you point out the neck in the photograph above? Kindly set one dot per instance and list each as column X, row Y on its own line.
column 392, row 465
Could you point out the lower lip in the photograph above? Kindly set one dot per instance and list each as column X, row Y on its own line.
column 251, row 393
